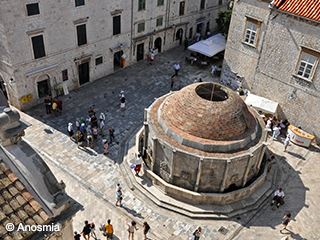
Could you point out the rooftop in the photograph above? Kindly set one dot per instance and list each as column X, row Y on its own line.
column 304, row 8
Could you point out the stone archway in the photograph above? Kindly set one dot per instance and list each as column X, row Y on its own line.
column 158, row 44
column 179, row 35
column 43, row 86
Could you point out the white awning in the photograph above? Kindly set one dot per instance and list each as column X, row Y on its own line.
column 261, row 103
column 211, row 46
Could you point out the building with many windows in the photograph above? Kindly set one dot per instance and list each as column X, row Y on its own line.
column 50, row 47
column 275, row 47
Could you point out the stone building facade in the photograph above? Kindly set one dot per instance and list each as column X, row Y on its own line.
column 49, row 45
column 276, row 49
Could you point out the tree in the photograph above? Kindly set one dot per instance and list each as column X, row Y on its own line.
column 223, row 20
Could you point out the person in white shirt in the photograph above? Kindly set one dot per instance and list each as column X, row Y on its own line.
column 176, row 68
column 213, row 69
column 278, row 197
column 138, row 163
column 268, row 126
column 276, row 131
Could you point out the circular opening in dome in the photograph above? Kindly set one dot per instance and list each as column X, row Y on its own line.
column 211, row 92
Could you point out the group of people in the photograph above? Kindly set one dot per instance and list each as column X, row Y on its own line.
column 277, row 127
column 150, row 58
column 88, row 130
column 88, row 230
column 53, row 105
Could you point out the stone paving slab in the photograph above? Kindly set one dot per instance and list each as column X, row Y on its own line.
column 91, row 177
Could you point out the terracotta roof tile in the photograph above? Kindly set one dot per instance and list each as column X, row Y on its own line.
column 27, row 196
column 8, row 238
column 43, row 215
column 3, row 231
column 13, row 190
column 35, row 205
column 2, row 216
column 7, row 209
column 11, row 176
column 1, row 186
column 3, row 167
column 6, row 195
column 308, row 8
column 15, row 219
column 29, row 210
column 38, row 219
column 5, row 180
column 19, row 185
column 22, row 215
column 20, row 199
column 30, row 222
column 14, row 204
column 16, row 235
column 2, row 201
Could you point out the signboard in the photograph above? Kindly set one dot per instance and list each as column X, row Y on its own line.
column 300, row 137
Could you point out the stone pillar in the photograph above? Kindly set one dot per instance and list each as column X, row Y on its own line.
column 146, row 132
column 262, row 150
column 172, row 165
column 245, row 177
column 154, row 152
column 223, row 185
column 196, row 187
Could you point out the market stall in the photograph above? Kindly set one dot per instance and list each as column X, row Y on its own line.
column 211, row 46
column 300, row 137
column 263, row 104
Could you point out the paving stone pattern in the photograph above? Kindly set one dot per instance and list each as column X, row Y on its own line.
column 91, row 177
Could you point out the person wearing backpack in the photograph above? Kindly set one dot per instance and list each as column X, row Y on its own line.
column 86, row 230
column 80, row 138
column 146, row 229
column 109, row 230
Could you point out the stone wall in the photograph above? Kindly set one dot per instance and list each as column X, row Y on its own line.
column 57, row 23
column 269, row 68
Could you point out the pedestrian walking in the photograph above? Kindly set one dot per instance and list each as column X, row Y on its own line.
column 213, row 69
column 111, row 134
column 90, row 140
column 122, row 103
column 131, row 228
column 195, row 80
column 173, row 78
column 103, row 117
column 88, row 121
column 148, row 60
column 55, row 107
column 176, row 68
column 119, row 195
column 109, row 230
column 95, row 133
column 146, row 229
column 83, row 128
column 286, row 142
column 91, row 111
column 276, row 131
column 70, row 130
column 76, row 236
column 285, row 221
column 86, row 230
column 105, row 146
column 93, row 228
column 101, row 127
column 78, row 124
column 278, row 198
column 186, row 43
column 197, row 233
column 151, row 57
column 121, row 94
column 80, row 138
column 59, row 103
column 94, row 121
column 138, row 163
column 285, row 238
column 180, row 85
column 47, row 104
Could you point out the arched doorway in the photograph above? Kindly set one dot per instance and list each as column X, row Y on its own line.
column 179, row 35
column 43, row 84
column 158, row 43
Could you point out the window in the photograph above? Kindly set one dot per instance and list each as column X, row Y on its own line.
column 160, row 2
column 116, row 25
column 181, row 9
column 99, row 60
column 220, row 2
column 202, row 4
column 33, row 9
column 142, row 5
column 43, row 84
column 82, row 34
column 307, row 63
column 65, row 75
column 140, row 27
column 252, row 31
column 159, row 21
column 79, row 3
column 38, row 46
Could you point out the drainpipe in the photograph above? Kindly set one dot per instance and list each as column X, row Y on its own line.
column 131, row 30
